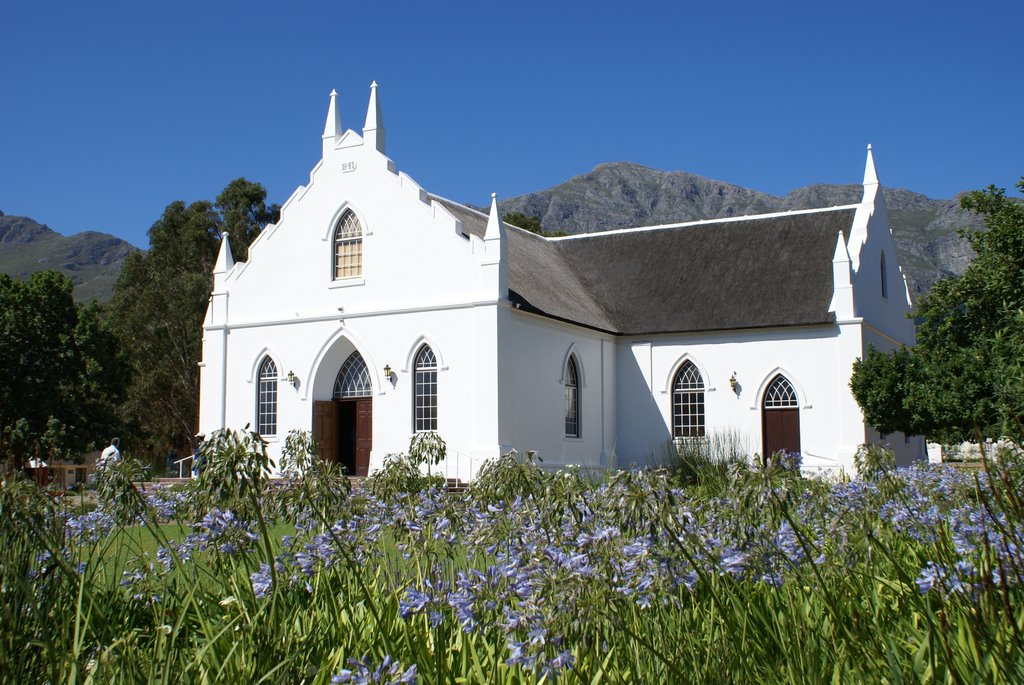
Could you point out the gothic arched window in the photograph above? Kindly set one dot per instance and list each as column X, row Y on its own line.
column 425, row 389
column 348, row 247
column 266, row 398
column 688, row 403
column 572, row 399
column 353, row 379
column 780, row 394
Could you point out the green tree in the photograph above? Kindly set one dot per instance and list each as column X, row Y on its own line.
column 64, row 373
column 243, row 212
column 529, row 223
column 160, row 299
column 963, row 378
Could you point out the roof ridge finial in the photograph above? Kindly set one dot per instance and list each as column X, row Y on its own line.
column 373, row 129
column 224, row 259
column 332, row 127
column 841, row 253
column 870, row 173
column 495, row 226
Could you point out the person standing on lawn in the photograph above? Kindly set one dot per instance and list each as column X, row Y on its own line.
column 111, row 455
column 198, row 458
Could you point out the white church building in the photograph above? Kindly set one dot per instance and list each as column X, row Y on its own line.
column 374, row 309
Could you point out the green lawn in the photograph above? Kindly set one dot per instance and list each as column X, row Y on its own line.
column 124, row 546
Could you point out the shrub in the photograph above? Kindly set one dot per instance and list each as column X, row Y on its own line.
column 708, row 460
column 912, row 576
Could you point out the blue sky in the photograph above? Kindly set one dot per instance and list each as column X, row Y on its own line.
column 110, row 111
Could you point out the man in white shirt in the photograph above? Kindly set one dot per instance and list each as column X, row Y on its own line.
column 111, row 455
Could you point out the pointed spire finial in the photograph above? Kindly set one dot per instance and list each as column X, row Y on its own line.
column 870, row 174
column 224, row 259
column 841, row 254
column 495, row 226
column 332, row 128
column 842, row 287
column 373, row 130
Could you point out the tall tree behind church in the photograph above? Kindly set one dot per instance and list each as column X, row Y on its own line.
column 160, row 300
column 63, row 372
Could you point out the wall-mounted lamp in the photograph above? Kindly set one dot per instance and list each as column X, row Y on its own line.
column 293, row 379
column 733, row 383
column 387, row 371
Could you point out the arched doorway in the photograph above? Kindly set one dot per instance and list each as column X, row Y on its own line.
column 780, row 417
column 343, row 425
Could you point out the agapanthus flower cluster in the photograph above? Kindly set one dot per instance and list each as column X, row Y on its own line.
column 959, row 578
column 89, row 528
column 224, row 532
column 168, row 503
column 364, row 672
column 536, row 567
column 262, row 581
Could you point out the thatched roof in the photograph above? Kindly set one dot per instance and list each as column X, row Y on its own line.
column 752, row 272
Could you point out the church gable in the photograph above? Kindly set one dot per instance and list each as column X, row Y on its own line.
column 360, row 235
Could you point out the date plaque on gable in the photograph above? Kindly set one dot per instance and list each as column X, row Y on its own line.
column 347, row 167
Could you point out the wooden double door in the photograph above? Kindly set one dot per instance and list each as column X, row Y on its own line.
column 781, row 430
column 344, row 430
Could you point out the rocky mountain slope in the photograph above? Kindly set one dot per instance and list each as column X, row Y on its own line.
column 623, row 195
column 617, row 195
column 91, row 260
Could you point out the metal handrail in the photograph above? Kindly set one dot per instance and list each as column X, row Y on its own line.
column 178, row 462
column 460, row 460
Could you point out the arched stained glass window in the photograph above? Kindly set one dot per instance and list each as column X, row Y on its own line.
column 425, row 398
column 780, row 394
column 353, row 379
column 688, row 403
column 266, row 398
column 348, row 247
column 572, row 399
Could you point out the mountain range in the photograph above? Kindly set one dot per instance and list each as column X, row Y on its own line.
column 90, row 259
column 614, row 195
column 624, row 195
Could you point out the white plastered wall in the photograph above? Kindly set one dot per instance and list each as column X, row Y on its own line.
column 533, row 352
column 315, row 351
column 886, row 324
column 422, row 280
column 812, row 358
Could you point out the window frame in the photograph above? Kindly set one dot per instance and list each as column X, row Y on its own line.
column 572, row 398
column 353, row 241
column 774, row 398
column 266, row 397
column 425, row 391
column 354, row 368
column 689, row 403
